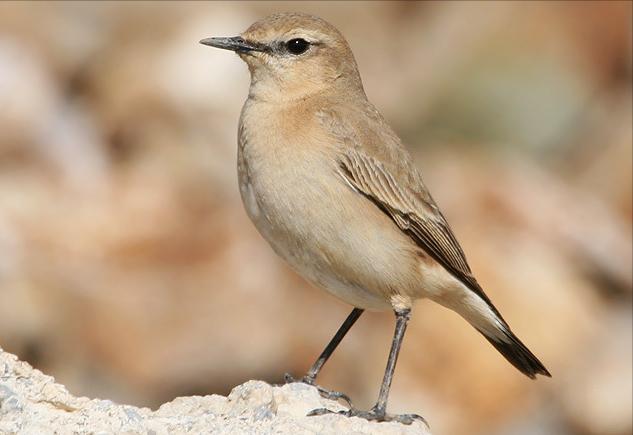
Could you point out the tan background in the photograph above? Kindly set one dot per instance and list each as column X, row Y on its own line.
column 128, row 269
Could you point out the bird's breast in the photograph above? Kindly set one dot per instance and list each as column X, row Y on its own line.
column 284, row 173
column 283, row 191
column 292, row 191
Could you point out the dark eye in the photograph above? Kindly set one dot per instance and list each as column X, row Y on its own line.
column 297, row 46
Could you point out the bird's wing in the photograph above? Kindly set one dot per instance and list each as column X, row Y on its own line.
column 414, row 212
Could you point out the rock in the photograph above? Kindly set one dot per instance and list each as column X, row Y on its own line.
column 31, row 402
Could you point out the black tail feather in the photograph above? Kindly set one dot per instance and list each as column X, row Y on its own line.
column 518, row 354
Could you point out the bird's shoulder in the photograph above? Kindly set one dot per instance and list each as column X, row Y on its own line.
column 362, row 135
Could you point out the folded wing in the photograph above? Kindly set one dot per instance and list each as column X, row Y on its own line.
column 415, row 214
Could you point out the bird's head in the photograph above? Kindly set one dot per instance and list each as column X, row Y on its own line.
column 292, row 55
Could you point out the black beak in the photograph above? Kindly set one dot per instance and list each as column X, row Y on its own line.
column 235, row 43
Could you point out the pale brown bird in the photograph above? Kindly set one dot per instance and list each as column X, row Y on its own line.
column 330, row 186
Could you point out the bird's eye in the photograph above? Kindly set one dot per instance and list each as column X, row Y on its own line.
column 297, row 46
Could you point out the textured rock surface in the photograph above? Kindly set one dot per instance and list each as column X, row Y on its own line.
column 31, row 402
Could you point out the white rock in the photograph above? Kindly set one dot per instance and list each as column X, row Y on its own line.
column 31, row 402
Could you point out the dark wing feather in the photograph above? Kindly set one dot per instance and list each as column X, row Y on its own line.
column 415, row 214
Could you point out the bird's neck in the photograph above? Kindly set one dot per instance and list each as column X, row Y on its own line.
column 268, row 89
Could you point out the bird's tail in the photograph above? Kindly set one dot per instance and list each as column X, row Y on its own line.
column 486, row 319
column 516, row 352
column 476, row 308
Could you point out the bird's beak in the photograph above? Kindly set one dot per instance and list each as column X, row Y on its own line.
column 235, row 43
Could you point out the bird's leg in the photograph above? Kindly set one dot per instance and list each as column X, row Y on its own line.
column 310, row 377
column 402, row 318
column 379, row 411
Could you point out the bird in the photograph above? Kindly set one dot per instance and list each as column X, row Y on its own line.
column 331, row 187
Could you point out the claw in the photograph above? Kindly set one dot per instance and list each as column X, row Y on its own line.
column 334, row 395
column 325, row 393
column 289, row 379
column 373, row 415
column 321, row 411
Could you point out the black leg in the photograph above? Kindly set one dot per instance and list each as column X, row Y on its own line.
column 402, row 317
column 310, row 377
column 379, row 411
column 329, row 349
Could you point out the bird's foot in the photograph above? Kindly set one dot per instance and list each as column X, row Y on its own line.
column 373, row 415
column 325, row 393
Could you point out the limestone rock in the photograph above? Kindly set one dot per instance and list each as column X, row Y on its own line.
column 31, row 402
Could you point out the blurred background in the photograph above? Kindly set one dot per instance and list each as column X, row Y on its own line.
column 129, row 270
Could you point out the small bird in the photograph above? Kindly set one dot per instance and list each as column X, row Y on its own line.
column 330, row 186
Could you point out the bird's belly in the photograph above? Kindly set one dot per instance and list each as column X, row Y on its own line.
column 314, row 223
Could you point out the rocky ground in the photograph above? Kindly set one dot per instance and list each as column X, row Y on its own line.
column 31, row 402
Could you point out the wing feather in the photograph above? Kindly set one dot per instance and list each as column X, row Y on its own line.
column 415, row 214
